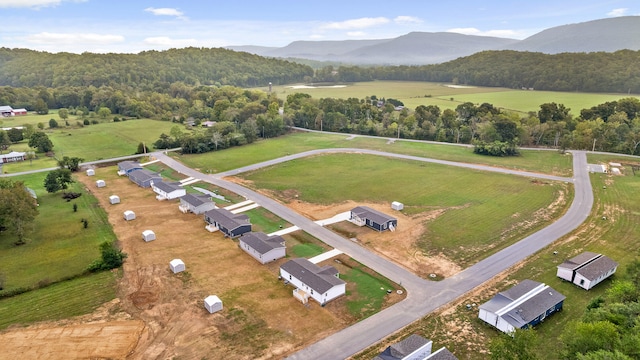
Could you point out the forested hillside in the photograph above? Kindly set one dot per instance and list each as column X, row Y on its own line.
column 617, row 72
column 147, row 70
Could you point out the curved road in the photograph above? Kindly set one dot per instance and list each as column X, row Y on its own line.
column 423, row 296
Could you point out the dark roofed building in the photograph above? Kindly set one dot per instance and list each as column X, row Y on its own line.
column 414, row 347
column 364, row 215
column 144, row 177
column 125, row 167
column 320, row 283
column 168, row 190
column 232, row 225
column 587, row 269
column 196, row 204
column 263, row 247
column 523, row 305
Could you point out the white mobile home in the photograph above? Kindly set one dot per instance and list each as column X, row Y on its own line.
column 168, row 191
column 587, row 269
column 320, row 283
column 263, row 247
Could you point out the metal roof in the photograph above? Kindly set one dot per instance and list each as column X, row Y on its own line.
column 372, row 214
column 262, row 242
column 196, row 200
column 597, row 268
column 317, row 278
column 227, row 219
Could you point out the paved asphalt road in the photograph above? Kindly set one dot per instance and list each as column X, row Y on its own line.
column 423, row 296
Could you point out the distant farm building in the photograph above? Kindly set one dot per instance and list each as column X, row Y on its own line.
column 114, row 199
column 7, row 111
column 213, row 303
column 263, row 247
column 364, row 215
column 13, row 156
column 129, row 215
column 415, row 347
column 148, row 235
column 524, row 305
column 322, row 284
column 168, row 191
column 144, row 177
column 125, row 167
column 587, row 269
column 176, row 266
column 232, row 225
column 197, row 204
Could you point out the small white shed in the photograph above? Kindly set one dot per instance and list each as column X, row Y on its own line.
column 114, row 199
column 129, row 215
column 177, row 265
column 148, row 235
column 397, row 205
column 213, row 303
column 91, row 172
column 101, row 183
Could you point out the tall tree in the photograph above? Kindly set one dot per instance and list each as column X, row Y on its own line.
column 57, row 180
column 521, row 345
column 41, row 141
column 17, row 209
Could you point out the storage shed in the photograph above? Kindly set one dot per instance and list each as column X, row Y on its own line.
column 129, row 215
column 101, row 183
column 114, row 199
column 397, row 205
column 177, row 265
column 148, row 235
column 213, row 303
column 91, row 172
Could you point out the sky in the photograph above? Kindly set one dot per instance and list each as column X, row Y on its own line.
column 116, row 26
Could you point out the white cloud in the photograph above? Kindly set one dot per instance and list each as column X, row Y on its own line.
column 73, row 38
column 165, row 41
column 496, row 33
column 356, row 33
column 361, row 23
column 408, row 20
column 465, row 31
column 36, row 4
column 617, row 12
column 166, row 12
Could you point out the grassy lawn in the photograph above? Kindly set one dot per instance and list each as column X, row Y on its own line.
column 370, row 291
column 59, row 247
column 302, row 244
column 265, row 221
column 59, row 301
column 537, row 161
column 492, row 206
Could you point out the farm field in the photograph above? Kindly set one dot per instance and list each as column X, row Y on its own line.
column 618, row 236
column 448, row 96
column 261, row 317
column 497, row 210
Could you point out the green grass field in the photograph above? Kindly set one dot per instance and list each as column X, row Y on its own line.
column 487, row 203
column 59, row 247
column 413, row 94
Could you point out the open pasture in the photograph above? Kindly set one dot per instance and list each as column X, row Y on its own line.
column 478, row 213
column 448, row 96
column 550, row 162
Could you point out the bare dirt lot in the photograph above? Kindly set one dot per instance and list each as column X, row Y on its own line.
column 160, row 315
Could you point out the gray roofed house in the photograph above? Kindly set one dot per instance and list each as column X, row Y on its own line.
column 144, row 177
column 125, row 167
column 232, row 225
column 320, row 283
column 521, row 306
column 263, row 247
column 414, row 347
column 364, row 215
column 587, row 269
column 168, row 191
column 196, row 204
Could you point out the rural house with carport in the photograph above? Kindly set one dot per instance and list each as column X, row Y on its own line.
column 197, row 204
column 144, row 177
column 232, row 225
column 524, row 305
column 322, row 284
column 364, row 215
column 587, row 269
column 263, row 247
column 167, row 191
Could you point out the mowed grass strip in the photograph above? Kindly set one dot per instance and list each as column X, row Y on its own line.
column 480, row 209
column 59, row 247
column 549, row 162
column 59, row 301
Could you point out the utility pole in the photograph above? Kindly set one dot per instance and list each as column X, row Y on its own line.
column 594, row 145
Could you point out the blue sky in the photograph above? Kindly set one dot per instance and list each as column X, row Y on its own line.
column 132, row 26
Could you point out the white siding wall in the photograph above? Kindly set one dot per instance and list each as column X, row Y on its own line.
column 582, row 282
column 487, row 316
column 504, row 326
column 332, row 293
column 176, row 194
column 564, row 273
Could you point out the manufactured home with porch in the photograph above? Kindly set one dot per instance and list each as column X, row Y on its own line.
column 168, row 191
column 263, row 247
column 322, row 284
column 125, row 167
column 524, row 305
column 364, row 215
column 197, row 204
column 414, row 347
column 232, row 225
column 13, row 156
column 587, row 269
column 144, row 177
